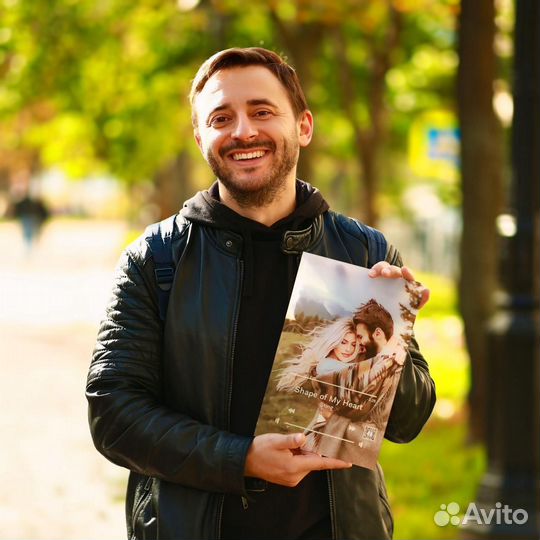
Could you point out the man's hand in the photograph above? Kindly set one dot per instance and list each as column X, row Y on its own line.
column 277, row 458
column 386, row 270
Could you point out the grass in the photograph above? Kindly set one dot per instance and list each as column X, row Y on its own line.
column 439, row 330
column 442, row 345
column 437, row 468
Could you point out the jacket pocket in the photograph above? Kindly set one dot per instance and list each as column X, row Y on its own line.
column 144, row 522
column 384, row 503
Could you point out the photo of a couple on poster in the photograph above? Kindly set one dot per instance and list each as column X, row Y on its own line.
column 353, row 364
column 339, row 360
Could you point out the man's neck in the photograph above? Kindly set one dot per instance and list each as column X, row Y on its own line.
column 282, row 206
column 381, row 344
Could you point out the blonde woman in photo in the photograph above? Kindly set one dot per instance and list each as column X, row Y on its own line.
column 331, row 349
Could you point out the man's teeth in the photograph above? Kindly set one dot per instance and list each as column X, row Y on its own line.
column 249, row 155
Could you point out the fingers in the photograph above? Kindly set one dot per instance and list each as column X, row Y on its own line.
column 387, row 270
column 407, row 274
column 279, row 459
column 288, row 442
column 313, row 462
column 305, row 463
column 425, row 298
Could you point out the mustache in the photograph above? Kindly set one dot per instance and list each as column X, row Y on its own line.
column 267, row 145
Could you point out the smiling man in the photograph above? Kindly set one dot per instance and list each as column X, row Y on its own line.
column 250, row 132
column 174, row 394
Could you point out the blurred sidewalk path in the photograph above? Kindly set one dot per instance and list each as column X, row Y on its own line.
column 55, row 484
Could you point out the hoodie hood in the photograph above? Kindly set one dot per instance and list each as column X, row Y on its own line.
column 293, row 234
column 206, row 209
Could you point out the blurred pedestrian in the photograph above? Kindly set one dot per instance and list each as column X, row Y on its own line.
column 32, row 214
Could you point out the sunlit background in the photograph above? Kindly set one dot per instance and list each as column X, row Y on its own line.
column 96, row 143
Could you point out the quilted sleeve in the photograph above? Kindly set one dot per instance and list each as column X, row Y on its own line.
column 128, row 423
column 414, row 399
column 415, row 394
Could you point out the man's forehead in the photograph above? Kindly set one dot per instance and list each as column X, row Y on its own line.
column 244, row 85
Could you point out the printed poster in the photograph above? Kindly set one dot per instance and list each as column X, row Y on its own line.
column 339, row 359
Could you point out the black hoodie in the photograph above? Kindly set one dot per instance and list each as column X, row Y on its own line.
column 268, row 279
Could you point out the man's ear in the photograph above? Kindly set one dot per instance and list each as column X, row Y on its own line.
column 378, row 333
column 305, row 125
column 197, row 138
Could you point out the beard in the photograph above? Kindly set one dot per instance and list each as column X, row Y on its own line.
column 261, row 191
column 371, row 349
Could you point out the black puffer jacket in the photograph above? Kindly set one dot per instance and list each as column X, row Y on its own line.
column 159, row 403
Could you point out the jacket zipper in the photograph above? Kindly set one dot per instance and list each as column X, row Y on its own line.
column 140, row 505
column 229, row 397
column 332, row 500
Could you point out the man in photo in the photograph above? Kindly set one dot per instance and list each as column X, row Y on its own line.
column 364, row 389
column 374, row 327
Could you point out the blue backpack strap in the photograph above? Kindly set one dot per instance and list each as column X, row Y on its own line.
column 159, row 239
column 377, row 244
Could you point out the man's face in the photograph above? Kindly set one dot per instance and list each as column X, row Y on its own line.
column 365, row 338
column 248, row 133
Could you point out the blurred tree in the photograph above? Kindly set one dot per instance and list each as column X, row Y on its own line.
column 112, row 77
column 482, row 159
column 344, row 53
column 302, row 37
column 381, row 33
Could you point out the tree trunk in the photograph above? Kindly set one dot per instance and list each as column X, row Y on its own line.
column 481, row 180
column 367, row 158
column 368, row 140
column 302, row 42
column 173, row 184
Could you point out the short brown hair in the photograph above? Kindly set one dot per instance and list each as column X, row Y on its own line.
column 251, row 56
column 373, row 316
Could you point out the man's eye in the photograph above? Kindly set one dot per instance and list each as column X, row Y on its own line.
column 218, row 120
column 263, row 114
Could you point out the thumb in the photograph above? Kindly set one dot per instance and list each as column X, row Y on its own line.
column 293, row 440
column 425, row 298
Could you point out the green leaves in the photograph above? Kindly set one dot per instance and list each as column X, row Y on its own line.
column 102, row 85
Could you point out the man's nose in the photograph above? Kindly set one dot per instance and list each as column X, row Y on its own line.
column 244, row 128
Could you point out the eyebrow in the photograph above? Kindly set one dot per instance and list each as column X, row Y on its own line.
column 262, row 101
column 252, row 102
